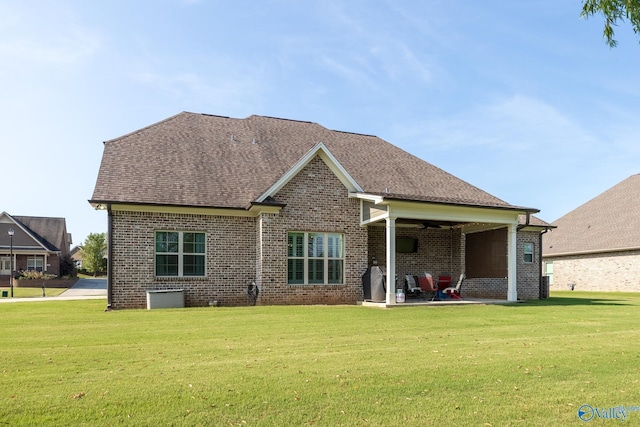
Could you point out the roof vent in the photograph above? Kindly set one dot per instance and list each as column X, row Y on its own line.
column 233, row 137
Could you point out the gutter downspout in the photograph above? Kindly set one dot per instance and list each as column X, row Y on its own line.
column 110, row 256
column 540, row 262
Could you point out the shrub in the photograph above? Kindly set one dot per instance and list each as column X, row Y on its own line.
column 34, row 275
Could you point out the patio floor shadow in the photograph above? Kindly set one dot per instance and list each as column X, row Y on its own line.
column 428, row 303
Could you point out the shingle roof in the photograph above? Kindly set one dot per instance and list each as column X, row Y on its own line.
column 212, row 161
column 50, row 232
column 534, row 221
column 607, row 222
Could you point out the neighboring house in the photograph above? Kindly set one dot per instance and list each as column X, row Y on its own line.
column 38, row 243
column 76, row 256
column 211, row 204
column 597, row 245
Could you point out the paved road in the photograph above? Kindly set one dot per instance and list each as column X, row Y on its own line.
column 83, row 289
column 87, row 287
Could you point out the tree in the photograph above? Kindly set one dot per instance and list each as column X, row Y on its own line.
column 67, row 266
column 614, row 11
column 93, row 253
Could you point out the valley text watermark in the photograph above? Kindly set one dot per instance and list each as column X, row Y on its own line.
column 588, row 412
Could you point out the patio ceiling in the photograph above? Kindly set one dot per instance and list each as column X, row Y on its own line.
column 419, row 214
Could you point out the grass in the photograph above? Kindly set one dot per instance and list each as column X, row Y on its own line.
column 71, row 363
column 32, row 292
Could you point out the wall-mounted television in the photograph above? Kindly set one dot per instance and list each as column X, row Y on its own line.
column 406, row 245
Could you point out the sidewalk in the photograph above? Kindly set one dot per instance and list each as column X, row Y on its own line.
column 83, row 289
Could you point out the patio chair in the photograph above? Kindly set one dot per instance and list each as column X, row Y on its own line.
column 443, row 281
column 454, row 292
column 412, row 289
column 427, row 285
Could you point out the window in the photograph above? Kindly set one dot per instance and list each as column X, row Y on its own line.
column 528, row 253
column 5, row 265
column 315, row 258
column 549, row 272
column 180, row 254
column 35, row 263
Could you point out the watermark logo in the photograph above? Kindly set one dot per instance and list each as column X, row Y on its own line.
column 587, row 412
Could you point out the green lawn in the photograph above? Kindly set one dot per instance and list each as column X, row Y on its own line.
column 31, row 292
column 533, row 364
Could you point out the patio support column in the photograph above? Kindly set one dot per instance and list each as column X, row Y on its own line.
column 391, row 260
column 512, row 254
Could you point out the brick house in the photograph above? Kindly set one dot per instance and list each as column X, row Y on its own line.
column 38, row 243
column 596, row 246
column 210, row 204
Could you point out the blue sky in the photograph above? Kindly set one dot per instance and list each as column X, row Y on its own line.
column 521, row 99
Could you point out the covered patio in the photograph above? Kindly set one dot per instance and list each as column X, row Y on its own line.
column 429, row 303
column 414, row 237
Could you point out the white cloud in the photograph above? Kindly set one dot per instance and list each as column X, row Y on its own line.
column 515, row 124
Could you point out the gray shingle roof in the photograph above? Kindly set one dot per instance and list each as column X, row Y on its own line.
column 212, row 161
column 607, row 222
column 50, row 232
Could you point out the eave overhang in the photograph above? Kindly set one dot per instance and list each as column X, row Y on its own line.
column 253, row 210
column 469, row 216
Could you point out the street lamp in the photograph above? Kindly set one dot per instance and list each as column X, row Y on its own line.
column 11, row 259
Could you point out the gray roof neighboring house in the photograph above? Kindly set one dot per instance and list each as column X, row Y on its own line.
column 40, row 233
column 609, row 222
column 51, row 232
column 201, row 160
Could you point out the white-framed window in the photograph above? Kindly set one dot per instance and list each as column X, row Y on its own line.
column 549, row 271
column 180, row 253
column 35, row 263
column 528, row 253
column 5, row 265
column 315, row 258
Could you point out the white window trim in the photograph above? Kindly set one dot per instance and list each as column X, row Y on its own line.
column 180, row 253
column 5, row 261
column 326, row 258
column 35, row 259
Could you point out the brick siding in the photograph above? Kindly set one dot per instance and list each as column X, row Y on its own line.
column 614, row 271
column 438, row 251
column 230, row 258
column 240, row 250
column 52, row 263
column 316, row 201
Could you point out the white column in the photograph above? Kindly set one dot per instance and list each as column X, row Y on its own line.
column 512, row 256
column 391, row 260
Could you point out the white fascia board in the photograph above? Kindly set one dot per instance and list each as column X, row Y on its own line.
column 439, row 212
column 321, row 150
column 368, row 197
column 190, row 210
